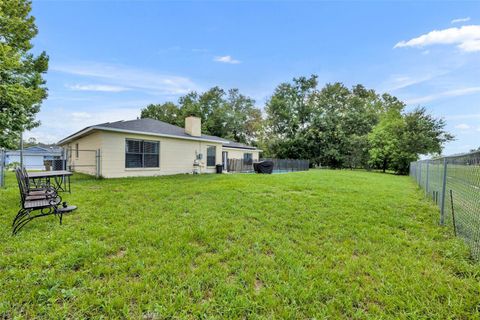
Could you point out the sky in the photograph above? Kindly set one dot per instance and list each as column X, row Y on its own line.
column 109, row 59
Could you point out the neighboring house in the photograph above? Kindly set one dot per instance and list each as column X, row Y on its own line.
column 33, row 157
column 147, row 147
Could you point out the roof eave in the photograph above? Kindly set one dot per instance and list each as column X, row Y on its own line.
column 88, row 129
column 243, row 148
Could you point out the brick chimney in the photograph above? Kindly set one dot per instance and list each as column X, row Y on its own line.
column 193, row 126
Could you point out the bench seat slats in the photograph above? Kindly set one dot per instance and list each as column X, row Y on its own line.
column 31, row 204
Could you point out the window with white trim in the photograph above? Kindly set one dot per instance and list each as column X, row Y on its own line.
column 211, row 156
column 142, row 154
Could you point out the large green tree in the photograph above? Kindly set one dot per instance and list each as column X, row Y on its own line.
column 329, row 126
column 347, row 128
column 22, row 87
column 401, row 138
column 230, row 115
column 166, row 112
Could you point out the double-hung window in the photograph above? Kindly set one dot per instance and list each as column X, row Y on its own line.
column 247, row 158
column 141, row 154
column 211, row 154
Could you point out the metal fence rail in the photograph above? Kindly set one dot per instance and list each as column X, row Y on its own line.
column 286, row 165
column 239, row 165
column 279, row 165
column 453, row 183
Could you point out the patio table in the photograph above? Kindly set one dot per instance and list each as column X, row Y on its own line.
column 57, row 179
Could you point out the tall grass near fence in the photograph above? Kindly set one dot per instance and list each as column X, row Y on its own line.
column 453, row 183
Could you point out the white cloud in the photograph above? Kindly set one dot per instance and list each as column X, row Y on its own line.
column 397, row 82
column 462, row 126
column 444, row 94
column 470, row 46
column 459, row 20
column 467, row 38
column 81, row 115
column 463, row 116
column 226, row 59
column 129, row 77
column 97, row 87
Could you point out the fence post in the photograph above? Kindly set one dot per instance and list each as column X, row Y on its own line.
column 2, row 168
column 64, row 159
column 427, row 178
column 444, row 188
column 97, row 163
column 420, row 174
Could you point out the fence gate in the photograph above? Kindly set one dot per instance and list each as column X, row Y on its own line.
column 83, row 161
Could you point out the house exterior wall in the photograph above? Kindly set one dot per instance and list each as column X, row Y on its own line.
column 86, row 160
column 235, row 153
column 176, row 155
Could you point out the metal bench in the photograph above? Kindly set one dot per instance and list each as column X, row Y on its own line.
column 36, row 202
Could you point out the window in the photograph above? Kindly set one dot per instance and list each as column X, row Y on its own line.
column 76, row 150
column 211, row 154
column 141, row 154
column 247, row 158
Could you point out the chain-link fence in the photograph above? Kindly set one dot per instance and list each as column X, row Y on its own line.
column 453, row 183
column 83, row 161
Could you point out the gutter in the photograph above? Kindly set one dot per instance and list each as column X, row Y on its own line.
column 241, row 148
column 87, row 130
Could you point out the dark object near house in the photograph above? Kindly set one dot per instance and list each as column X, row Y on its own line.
column 36, row 202
column 263, row 167
column 219, row 168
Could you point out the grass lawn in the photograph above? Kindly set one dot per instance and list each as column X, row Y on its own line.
column 324, row 244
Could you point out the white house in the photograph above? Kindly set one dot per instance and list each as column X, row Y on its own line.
column 33, row 157
column 147, row 147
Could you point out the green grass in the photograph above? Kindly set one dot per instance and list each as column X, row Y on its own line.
column 323, row 244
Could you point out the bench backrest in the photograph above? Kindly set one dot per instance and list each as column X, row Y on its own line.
column 22, row 187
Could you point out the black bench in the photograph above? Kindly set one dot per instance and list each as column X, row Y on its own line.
column 37, row 202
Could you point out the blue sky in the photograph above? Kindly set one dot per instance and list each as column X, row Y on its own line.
column 110, row 59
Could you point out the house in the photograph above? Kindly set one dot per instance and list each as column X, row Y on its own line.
column 33, row 157
column 147, row 147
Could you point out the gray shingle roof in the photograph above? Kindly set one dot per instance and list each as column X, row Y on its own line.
column 153, row 126
column 159, row 128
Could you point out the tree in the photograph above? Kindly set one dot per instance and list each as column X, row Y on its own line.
column 347, row 128
column 401, row 138
column 288, row 117
column 384, row 139
column 22, row 88
column 166, row 112
column 244, row 120
column 289, row 108
column 327, row 126
column 230, row 115
column 422, row 134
